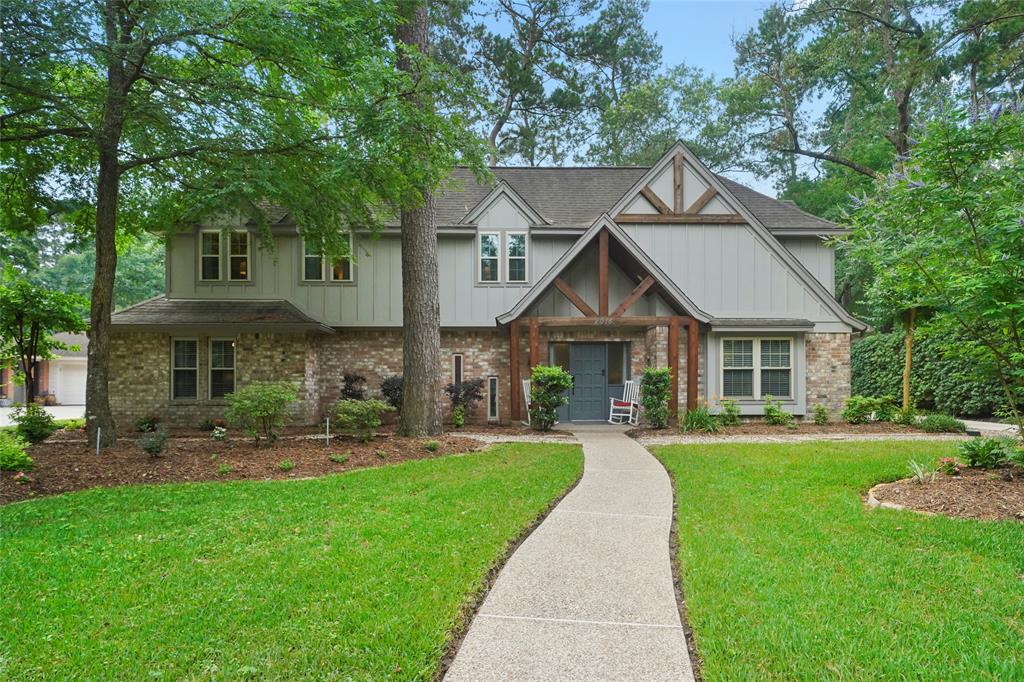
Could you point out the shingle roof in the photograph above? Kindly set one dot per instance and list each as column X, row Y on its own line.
column 80, row 340
column 163, row 312
column 775, row 214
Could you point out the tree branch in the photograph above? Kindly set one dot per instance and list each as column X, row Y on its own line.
column 47, row 132
column 853, row 165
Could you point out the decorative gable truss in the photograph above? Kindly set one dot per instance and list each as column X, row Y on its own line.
column 675, row 192
column 502, row 201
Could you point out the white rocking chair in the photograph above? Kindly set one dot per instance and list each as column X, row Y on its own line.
column 526, row 400
column 626, row 409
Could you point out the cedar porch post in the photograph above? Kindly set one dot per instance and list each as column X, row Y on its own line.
column 513, row 370
column 691, row 364
column 534, row 343
column 673, row 363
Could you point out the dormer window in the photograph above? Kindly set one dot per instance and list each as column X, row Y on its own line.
column 209, row 255
column 490, row 249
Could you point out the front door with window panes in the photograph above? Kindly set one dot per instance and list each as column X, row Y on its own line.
column 753, row 368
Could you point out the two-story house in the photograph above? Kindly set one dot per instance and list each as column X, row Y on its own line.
column 600, row 270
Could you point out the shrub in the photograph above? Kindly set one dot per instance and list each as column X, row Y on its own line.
column 821, row 416
column 907, row 417
column 730, row 414
column 774, row 414
column 286, row 465
column 1016, row 457
column 154, row 442
column 220, row 434
column 261, row 408
column 950, row 466
column 859, row 409
column 942, row 423
column 34, row 423
column 340, row 457
column 70, row 424
column 464, row 397
column 224, row 470
column 12, row 453
column 548, row 387
column 699, row 419
column 654, row 395
column 360, row 418
column 886, row 410
column 987, row 453
column 353, row 387
column 920, row 473
column 391, row 389
column 432, row 446
column 147, row 424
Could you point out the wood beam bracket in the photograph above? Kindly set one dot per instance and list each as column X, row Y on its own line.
column 574, row 298
column 655, row 200
column 634, row 296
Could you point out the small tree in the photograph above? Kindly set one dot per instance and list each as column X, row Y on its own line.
column 262, row 407
column 548, row 386
column 29, row 316
column 654, row 394
column 463, row 397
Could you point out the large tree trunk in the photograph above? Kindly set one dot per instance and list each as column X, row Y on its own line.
column 421, row 310
column 908, row 357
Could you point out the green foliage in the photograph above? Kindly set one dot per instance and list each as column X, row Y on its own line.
column 464, row 398
column 944, row 376
column 942, row 423
column 154, row 442
column 548, row 387
column 458, row 416
column 861, row 409
column 340, row 457
column 219, row 434
column 432, row 446
column 821, row 415
column 774, row 414
column 730, row 414
column 921, row 473
column 12, row 453
column 391, row 389
column 654, row 395
column 70, row 424
column 987, row 453
column 950, row 466
column 907, row 417
column 29, row 317
column 261, row 408
column 33, row 422
column 360, row 418
column 147, row 423
column 700, row 420
column 286, row 465
column 224, row 469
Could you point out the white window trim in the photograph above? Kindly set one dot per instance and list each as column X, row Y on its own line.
column 302, row 261
column 756, row 369
column 492, row 380
column 525, row 257
column 462, row 367
column 220, row 256
column 480, row 258
column 351, row 264
column 174, row 367
column 210, row 368
column 247, row 256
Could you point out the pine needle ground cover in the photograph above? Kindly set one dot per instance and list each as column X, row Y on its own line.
column 787, row 575
column 353, row 576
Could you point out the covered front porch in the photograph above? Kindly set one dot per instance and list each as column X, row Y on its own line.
column 635, row 317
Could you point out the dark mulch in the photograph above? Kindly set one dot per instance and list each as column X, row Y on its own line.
column 65, row 462
column 975, row 494
column 759, row 428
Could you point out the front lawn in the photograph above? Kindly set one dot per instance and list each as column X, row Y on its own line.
column 352, row 576
column 786, row 575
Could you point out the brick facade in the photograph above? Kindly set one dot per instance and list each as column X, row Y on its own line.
column 828, row 370
column 140, row 367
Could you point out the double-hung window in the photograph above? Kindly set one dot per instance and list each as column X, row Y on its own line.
column 490, row 248
column 184, row 369
column 222, row 367
column 753, row 368
column 209, row 255
column 312, row 264
column 341, row 271
column 238, row 256
column 516, row 246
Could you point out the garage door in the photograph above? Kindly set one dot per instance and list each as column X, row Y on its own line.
column 71, row 383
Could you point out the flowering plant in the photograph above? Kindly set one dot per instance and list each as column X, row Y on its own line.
column 950, row 466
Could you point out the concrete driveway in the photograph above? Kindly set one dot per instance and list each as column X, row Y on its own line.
column 57, row 411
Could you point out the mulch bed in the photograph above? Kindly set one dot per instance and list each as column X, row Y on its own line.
column 975, row 494
column 65, row 462
column 759, row 428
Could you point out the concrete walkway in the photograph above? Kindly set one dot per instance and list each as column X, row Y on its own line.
column 589, row 594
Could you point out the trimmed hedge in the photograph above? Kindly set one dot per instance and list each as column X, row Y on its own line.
column 938, row 382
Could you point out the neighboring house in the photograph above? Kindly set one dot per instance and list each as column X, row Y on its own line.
column 62, row 377
column 600, row 270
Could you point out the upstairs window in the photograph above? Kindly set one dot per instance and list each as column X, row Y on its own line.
column 341, row 271
column 209, row 255
column 490, row 246
column 516, row 257
column 312, row 264
column 754, row 368
column 184, row 369
column 222, row 367
column 238, row 257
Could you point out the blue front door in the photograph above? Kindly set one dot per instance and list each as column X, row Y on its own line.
column 588, row 364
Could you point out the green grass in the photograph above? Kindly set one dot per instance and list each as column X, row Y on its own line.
column 787, row 576
column 353, row 576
